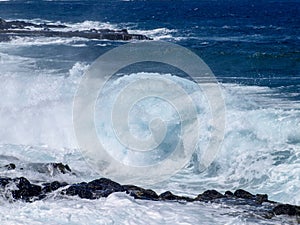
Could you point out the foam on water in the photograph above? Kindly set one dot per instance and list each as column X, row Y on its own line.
column 36, row 108
column 260, row 152
column 119, row 208
column 160, row 33
column 40, row 41
column 156, row 34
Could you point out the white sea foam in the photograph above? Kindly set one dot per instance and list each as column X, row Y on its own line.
column 119, row 208
column 159, row 33
column 40, row 41
column 156, row 34
column 260, row 152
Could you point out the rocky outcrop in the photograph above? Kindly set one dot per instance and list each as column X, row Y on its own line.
column 6, row 25
column 22, row 189
column 9, row 29
column 47, row 168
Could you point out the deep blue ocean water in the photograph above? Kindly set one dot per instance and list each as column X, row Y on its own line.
column 248, row 42
column 253, row 49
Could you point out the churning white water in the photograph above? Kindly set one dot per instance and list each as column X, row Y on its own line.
column 260, row 151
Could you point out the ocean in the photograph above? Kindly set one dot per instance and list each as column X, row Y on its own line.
column 253, row 50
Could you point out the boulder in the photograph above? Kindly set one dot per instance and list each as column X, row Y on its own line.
column 209, row 195
column 286, row 209
column 141, row 193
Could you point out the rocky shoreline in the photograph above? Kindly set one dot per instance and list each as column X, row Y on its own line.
column 9, row 29
column 20, row 188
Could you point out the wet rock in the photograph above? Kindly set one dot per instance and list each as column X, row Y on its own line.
column 53, row 186
column 22, row 28
column 61, row 167
column 104, row 187
column 141, row 193
column 50, row 168
column 80, row 190
column 105, row 184
column 286, row 209
column 22, row 189
column 26, row 191
column 94, row 189
column 209, row 195
column 171, row 197
column 10, row 166
column 228, row 194
column 22, row 24
column 4, row 181
column 259, row 198
column 240, row 193
column 168, row 196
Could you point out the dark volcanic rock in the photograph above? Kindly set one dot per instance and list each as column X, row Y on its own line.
column 26, row 191
column 21, row 28
column 53, row 186
column 22, row 24
column 50, row 168
column 80, row 190
column 171, row 197
column 22, row 189
column 60, row 167
column 104, row 184
column 94, row 189
column 228, row 194
column 259, row 198
column 4, row 181
column 209, row 195
column 140, row 193
column 243, row 194
column 287, row 209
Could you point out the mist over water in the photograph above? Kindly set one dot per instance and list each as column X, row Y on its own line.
column 260, row 151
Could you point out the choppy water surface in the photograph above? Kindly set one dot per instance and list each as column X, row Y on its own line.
column 251, row 46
